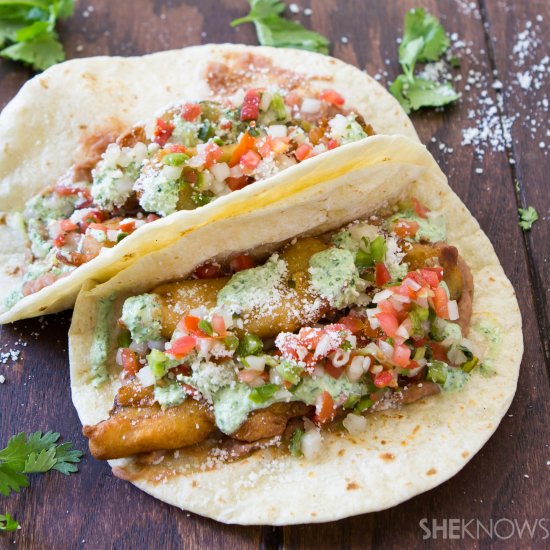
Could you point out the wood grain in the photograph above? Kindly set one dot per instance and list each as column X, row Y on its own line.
column 93, row 509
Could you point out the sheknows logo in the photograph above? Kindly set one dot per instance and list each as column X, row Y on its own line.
column 498, row 529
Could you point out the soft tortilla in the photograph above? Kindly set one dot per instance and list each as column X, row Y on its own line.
column 403, row 452
column 72, row 101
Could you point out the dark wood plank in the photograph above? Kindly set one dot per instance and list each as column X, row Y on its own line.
column 519, row 40
column 104, row 512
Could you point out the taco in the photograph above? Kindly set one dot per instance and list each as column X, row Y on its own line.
column 119, row 143
column 333, row 353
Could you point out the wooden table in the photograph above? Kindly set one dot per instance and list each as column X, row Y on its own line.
column 509, row 477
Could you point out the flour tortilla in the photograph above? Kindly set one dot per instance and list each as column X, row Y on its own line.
column 403, row 452
column 53, row 114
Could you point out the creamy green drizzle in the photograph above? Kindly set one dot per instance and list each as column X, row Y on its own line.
column 142, row 316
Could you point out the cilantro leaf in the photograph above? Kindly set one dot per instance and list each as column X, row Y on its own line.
column 274, row 30
column 424, row 39
column 35, row 453
column 11, row 480
column 7, row 523
column 528, row 216
column 29, row 26
column 66, row 458
column 38, row 463
column 40, row 53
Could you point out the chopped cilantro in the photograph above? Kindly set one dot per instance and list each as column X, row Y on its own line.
column 7, row 523
column 274, row 30
column 295, row 445
column 424, row 39
column 27, row 31
column 527, row 216
column 35, row 453
column 263, row 393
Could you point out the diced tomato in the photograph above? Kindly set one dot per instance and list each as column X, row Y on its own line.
column 67, row 225
column 151, row 218
column 293, row 99
column 248, row 375
column 237, row 183
column 98, row 226
column 383, row 379
column 243, row 261
column 127, row 226
column 419, row 208
column 207, row 271
column 182, row 346
column 94, row 216
column 65, row 190
column 129, row 361
column 246, row 143
column 401, row 355
column 190, row 111
column 439, row 351
column 333, row 371
column 250, row 109
column 324, row 408
column 264, row 146
column 406, row 228
column 60, row 240
column 218, row 324
column 440, row 301
column 353, row 324
column 176, row 148
column 249, row 161
column 303, row 152
column 332, row 96
column 279, row 145
column 431, row 276
column 191, row 325
column 163, row 131
column 388, row 322
column 309, row 337
column 382, row 275
column 332, row 144
column 212, row 153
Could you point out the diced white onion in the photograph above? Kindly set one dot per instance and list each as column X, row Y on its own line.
column 275, row 377
column 357, row 367
column 255, row 363
column 402, row 331
column 145, row 376
column 387, row 349
column 452, row 308
column 355, row 423
column 139, row 152
column 456, row 356
column 111, row 155
column 338, row 125
column 413, row 285
column 310, row 105
column 301, row 351
column 319, row 148
column 265, row 101
column 140, row 349
column 323, row 346
column 383, row 295
column 339, row 358
column 201, row 312
column 277, row 130
column 318, row 372
column 401, row 298
column 220, row 171
column 112, row 235
column 157, row 344
column 119, row 356
column 311, row 444
column 375, row 369
column 282, row 395
column 236, row 171
column 171, row 172
column 237, row 98
column 372, row 348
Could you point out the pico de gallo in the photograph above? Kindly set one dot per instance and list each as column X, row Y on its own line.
column 257, row 351
column 187, row 157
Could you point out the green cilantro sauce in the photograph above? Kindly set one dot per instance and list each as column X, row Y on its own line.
column 170, row 395
column 160, row 193
column 334, row 276
column 255, row 287
column 111, row 187
column 442, row 329
column 100, row 343
column 310, row 388
column 432, row 229
column 142, row 316
column 232, row 406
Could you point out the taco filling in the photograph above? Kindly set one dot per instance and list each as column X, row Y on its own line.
column 188, row 156
column 254, row 352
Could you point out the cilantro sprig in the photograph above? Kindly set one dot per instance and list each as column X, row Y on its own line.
column 27, row 31
column 274, row 30
column 527, row 217
column 7, row 523
column 424, row 40
column 34, row 454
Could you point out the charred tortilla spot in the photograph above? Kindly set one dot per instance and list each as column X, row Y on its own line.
column 352, row 486
column 431, row 472
column 387, row 457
